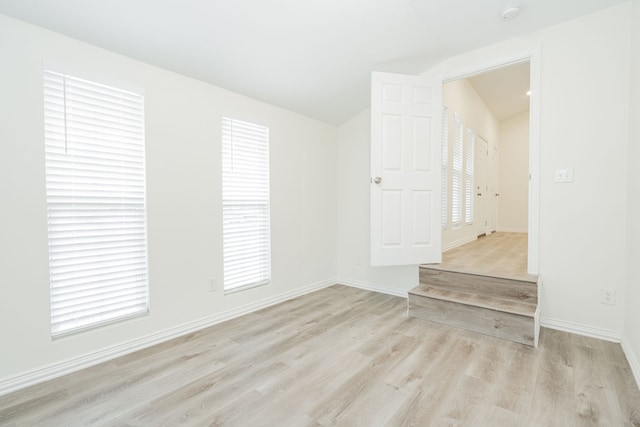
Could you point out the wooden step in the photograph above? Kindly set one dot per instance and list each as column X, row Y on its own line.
column 492, row 303
column 508, row 289
column 500, row 307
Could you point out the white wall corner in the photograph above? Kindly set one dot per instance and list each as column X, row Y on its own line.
column 579, row 329
column 632, row 358
column 55, row 370
column 372, row 287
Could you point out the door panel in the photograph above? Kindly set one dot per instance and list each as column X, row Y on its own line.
column 391, row 143
column 391, row 210
column 422, row 207
column 421, row 144
column 405, row 180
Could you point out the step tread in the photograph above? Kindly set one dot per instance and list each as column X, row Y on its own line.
column 482, row 301
column 531, row 279
column 501, row 288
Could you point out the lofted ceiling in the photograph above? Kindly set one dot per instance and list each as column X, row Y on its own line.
column 504, row 90
column 310, row 56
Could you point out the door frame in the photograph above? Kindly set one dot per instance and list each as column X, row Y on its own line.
column 533, row 56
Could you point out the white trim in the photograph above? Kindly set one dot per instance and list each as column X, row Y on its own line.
column 578, row 329
column 534, row 163
column 536, row 316
column 373, row 287
column 459, row 242
column 632, row 358
column 511, row 230
column 55, row 370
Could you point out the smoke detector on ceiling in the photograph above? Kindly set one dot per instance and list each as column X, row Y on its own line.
column 510, row 13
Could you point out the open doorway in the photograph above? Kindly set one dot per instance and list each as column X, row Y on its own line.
column 486, row 148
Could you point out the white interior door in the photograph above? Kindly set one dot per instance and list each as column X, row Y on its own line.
column 405, row 169
column 481, row 179
column 493, row 190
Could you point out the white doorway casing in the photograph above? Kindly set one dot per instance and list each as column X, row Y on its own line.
column 533, row 56
column 402, row 251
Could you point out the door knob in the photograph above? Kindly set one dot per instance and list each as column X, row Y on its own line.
column 377, row 180
column 479, row 194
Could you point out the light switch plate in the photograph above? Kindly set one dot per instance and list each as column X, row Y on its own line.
column 564, row 175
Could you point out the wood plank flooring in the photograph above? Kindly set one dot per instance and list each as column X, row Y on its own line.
column 343, row 357
column 497, row 255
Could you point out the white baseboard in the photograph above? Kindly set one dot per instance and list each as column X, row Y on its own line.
column 450, row 245
column 373, row 287
column 55, row 370
column 632, row 358
column 576, row 328
column 512, row 230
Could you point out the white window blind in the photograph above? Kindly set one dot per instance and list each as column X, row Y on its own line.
column 468, row 176
column 456, row 173
column 95, row 184
column 245, row 204
column 444, row 167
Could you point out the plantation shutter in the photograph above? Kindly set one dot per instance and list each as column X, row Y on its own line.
column 95, row 185
column 444, row 169
column 456, row 173
column 245, row 204
column 468, row 176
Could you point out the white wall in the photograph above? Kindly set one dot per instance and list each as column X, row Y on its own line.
column 461, row 98
column 184, row 210
column 584, row 124
column 513, row 179
column 632, row 295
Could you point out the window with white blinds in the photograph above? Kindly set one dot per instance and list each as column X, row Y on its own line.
column 444, row 167
column 245, row 204
column 468, row 176
column 96, row 217
column 456, row 173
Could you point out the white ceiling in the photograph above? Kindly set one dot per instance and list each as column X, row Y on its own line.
column 504, row 90
column 309, row 56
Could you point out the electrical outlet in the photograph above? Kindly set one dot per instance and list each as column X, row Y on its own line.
column 608, row 296
column 212, row 284
column 358, row 261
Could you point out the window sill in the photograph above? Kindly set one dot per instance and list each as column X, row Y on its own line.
column 246, row 287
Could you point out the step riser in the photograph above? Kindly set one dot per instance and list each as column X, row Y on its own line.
column 481, row 285
column 498, row 324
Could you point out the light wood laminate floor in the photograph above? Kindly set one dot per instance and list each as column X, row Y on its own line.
column 498, row 254
column 346, row 357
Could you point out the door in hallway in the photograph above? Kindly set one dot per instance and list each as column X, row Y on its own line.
column 492, row 196
column 482, row 187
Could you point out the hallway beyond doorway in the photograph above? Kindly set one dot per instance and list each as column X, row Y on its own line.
column 499, row 255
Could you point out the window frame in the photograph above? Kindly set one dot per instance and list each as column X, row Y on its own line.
column 444, row 164
column 246, row 205
column 95, row 171
column 457, row 188
column 469, row 167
